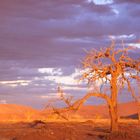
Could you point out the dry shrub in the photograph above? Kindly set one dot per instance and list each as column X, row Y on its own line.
column 89, row 122
column 37, row 124
column 120, row 135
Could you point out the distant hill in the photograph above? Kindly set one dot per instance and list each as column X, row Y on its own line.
column 101, row 111
column 128, row 109
column 13, row 112
column 124, row 110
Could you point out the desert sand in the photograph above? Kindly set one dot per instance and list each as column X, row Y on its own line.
column 89, row 123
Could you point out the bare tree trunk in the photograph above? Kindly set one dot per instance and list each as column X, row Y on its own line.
column 139, row 116
column 113, row 110
column 114, row 117
column 138, row 103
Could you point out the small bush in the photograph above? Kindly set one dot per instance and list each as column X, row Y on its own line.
column 121, row 135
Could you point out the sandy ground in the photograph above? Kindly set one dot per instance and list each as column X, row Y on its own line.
column 84, row 130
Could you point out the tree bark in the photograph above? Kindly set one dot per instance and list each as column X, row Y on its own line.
column 139, row 116
column 113, row 110
column 113, row 117
column 138, row 103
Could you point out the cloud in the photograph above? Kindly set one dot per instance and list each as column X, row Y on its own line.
column 51, row 71
column 3, row 102
column 75, row 88
column 43, row 41
column 137, row 45
column 115, row 11
column 15, row 83
column 50, row 96
column 66, row 80
column 127, row 1
column 101, row 2
column 36, row 9
column 123, row 37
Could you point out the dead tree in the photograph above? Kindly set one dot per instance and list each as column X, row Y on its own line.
column 112, row 67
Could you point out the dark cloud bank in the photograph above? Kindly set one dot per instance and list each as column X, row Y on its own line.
column 52, row 34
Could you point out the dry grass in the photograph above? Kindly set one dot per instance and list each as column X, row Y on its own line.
column 72, row 130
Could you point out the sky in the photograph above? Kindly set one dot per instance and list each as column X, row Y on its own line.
column 42, row 43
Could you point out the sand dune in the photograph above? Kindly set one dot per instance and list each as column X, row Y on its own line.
column 13, row 112
column 124, row 109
